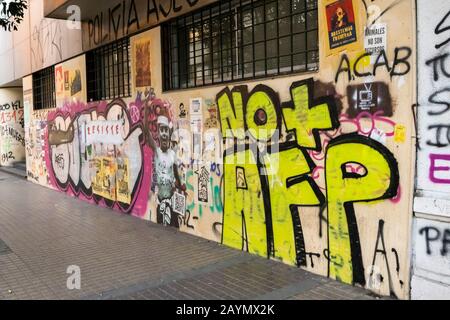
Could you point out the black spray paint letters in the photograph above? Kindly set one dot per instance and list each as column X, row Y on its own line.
column 47, row 39
column 439, row 101
column 440, row 29
column 8, row 156
column 380, row 249
column 441, row 96
column 119, row 19
column 6, row 131
column 15, row 105
column 442, row 135
column 399, row 67
column 433, row 234
column 166, row 9
column 127, row 16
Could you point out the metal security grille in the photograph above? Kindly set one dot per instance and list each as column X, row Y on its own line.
column 108, row 71
column 240, row 39
column 44, row 96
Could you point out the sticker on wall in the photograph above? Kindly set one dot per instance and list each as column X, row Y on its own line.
column 375, row 40
column 212, row 121
column 203, row 180
column 210, row 149
column 197, row 149
column 400, row 133
column 378, row 135
column 179, row 203
column 183, row 113
column 109, row 178
column 341, row 23
column 75, row 84
column 369, row 97
column 196, row 114
column 123, row 181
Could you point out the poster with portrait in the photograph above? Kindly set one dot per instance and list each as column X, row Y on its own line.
column 141, row 67
column 341, row 24
column 59, row 78
column 109, row 178
column 96, row 175
column 123, row 181
column 196, row 115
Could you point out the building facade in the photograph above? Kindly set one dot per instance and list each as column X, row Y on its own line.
column 311, row 132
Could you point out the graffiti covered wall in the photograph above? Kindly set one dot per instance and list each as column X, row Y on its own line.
column 12, row 135
column 431, row 260
column 96, row 152
column 51, row 40
column 120, row 18
column 313, row 170
column 317, row 169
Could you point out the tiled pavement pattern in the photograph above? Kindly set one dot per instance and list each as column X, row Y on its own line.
column 43, row 232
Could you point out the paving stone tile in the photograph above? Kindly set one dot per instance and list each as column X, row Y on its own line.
column 43, row 232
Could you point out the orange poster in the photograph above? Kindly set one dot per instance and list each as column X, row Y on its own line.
column 341, row 23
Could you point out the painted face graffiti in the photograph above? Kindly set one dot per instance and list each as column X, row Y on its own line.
column 164, row 133
column 158, row 124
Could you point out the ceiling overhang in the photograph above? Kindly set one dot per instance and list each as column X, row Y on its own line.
column 60, row 9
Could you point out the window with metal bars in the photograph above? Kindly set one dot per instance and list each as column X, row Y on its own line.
column 108, row 71
column 240, row 39
column 44, row 96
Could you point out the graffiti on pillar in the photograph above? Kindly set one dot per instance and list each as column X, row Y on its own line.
column 434, row 106
column 268, row 176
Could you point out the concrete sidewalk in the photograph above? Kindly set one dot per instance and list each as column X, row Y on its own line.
column 43, row 232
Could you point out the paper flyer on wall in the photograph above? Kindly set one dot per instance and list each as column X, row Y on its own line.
column 341, row 23
column 375, row 40
column 196, row 114
column 123, row 181
column 96, row 175
column 109, row 178
column 179, row 203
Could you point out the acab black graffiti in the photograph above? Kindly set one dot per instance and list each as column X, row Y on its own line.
column 400, row 66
